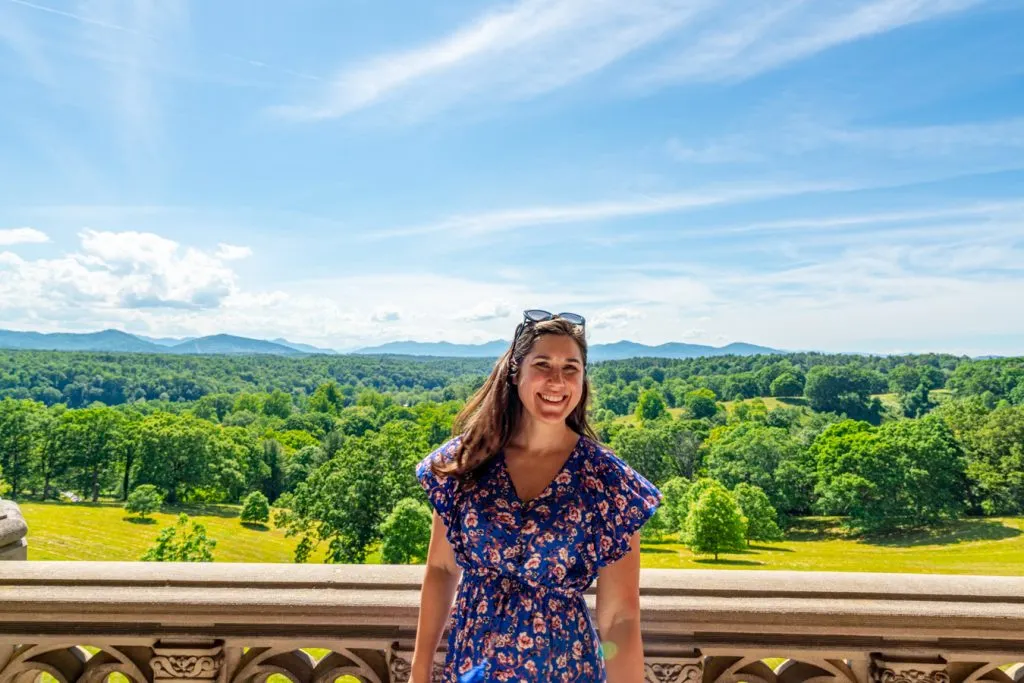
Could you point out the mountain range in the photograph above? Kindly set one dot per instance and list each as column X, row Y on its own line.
column 596, row 352
column 118, row 341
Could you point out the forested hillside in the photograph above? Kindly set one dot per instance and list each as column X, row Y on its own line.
column 333, row 440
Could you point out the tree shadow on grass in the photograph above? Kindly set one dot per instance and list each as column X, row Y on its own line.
column 963, row 531
column 256, row 526
column 647, row 550
column 815, row 529
column 793, row 400
column 769, row 549
column 725, row 562
column 139, row 520
column 204, row 510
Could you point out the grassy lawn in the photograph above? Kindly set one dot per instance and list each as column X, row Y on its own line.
column 972, row 546
column 102, row 531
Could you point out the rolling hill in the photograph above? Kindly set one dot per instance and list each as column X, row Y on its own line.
column 598, row 352
column 112, row 341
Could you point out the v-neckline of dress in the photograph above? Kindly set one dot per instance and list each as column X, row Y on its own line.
column 519, row 502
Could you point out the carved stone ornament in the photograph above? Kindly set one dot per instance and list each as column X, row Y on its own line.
column 186, row 663
column 884, row 671
column 674, row 670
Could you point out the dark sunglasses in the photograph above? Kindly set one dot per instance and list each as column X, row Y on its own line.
column 535, row 315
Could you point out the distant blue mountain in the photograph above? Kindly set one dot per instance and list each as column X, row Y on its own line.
column 117, row 341
column 491, row 349
column 598, row 352
column 229, row 344
column 107, row 340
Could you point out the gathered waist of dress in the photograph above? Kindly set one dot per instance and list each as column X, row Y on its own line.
column 518, row 582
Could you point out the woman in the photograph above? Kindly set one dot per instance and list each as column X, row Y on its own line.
column 528, row 510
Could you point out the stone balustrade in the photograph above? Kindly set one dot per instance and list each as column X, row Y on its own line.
column 12, row 532
column 234, row 623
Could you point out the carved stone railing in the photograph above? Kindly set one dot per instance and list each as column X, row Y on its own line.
column 234, row 623
column 12, row 532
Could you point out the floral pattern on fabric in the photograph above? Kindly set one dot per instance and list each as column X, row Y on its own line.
column 519, row 614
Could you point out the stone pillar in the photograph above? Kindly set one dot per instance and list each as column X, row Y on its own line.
column 13, row 530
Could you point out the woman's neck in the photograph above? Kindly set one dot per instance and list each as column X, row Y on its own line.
column 533, row 436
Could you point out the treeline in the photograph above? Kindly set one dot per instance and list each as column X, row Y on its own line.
column 335, row 458
column 80, row 379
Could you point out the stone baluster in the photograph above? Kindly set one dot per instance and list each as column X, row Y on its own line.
column 13, row 530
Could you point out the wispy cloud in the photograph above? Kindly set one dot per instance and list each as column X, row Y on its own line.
column 532, row 47
column 22, row 236
column 536, row 216
column 749, row 37
column 536, row 46
column 23, row 43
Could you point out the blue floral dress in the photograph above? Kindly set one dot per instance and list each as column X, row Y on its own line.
column 519, row 614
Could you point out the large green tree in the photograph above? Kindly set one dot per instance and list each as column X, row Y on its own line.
column 714, row 524
column 345, row 500
column 904, row 474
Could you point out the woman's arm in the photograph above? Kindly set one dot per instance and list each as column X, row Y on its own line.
column 439, row 583
column 618, row 616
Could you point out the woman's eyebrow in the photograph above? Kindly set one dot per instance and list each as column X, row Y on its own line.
column 543, row 356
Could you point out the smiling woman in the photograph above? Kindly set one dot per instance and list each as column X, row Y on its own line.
column 528, row 510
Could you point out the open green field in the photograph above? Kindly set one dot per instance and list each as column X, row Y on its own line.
column 103, row 531
column 993, row 546
column 772, row 403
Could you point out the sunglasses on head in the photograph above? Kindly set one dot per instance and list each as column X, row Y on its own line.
column 535, row 315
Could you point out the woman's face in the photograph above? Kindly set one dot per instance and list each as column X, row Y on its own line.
column 550, row 378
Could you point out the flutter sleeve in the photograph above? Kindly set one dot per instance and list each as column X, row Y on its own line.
column 625, row 501
column 442, row 491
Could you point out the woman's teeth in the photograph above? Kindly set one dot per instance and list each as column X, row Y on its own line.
column 549, row 398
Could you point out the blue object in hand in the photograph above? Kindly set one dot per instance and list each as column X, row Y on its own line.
column 474, row 675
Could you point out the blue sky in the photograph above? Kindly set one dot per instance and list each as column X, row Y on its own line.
column 822, row 174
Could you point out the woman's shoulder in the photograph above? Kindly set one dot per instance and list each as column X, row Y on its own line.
column 604, row 472
column 445, row 453
column 601, row 461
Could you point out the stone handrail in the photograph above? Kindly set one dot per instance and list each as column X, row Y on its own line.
column 239, row 623
column 12, row 532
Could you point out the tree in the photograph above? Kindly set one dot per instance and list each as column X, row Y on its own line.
column 651, row 405
column 328, row 398
column 675, row 503
column 186, row 541
column 255, row 509
column 175, row 453
column 144, row 501
column 4, row 486
column 278, row 404
column 649, row 450
column 94, row 437
column 345, row 500
column 842, row 389
column 18, row 439
column 904, row 474
column 762, row 519
column 701, row 403
column 917, row 402
column 714, row 524
column 787, row 384
column 406, row 533
column 767, row 457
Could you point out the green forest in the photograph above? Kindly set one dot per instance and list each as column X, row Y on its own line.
column 887, row 443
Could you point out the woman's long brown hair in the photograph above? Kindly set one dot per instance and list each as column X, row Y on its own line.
column 492, row 414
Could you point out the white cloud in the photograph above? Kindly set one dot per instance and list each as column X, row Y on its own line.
column 231, row 252
column 22, row 236
column 118, row 270
column 493, row 310
column 386, row 316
